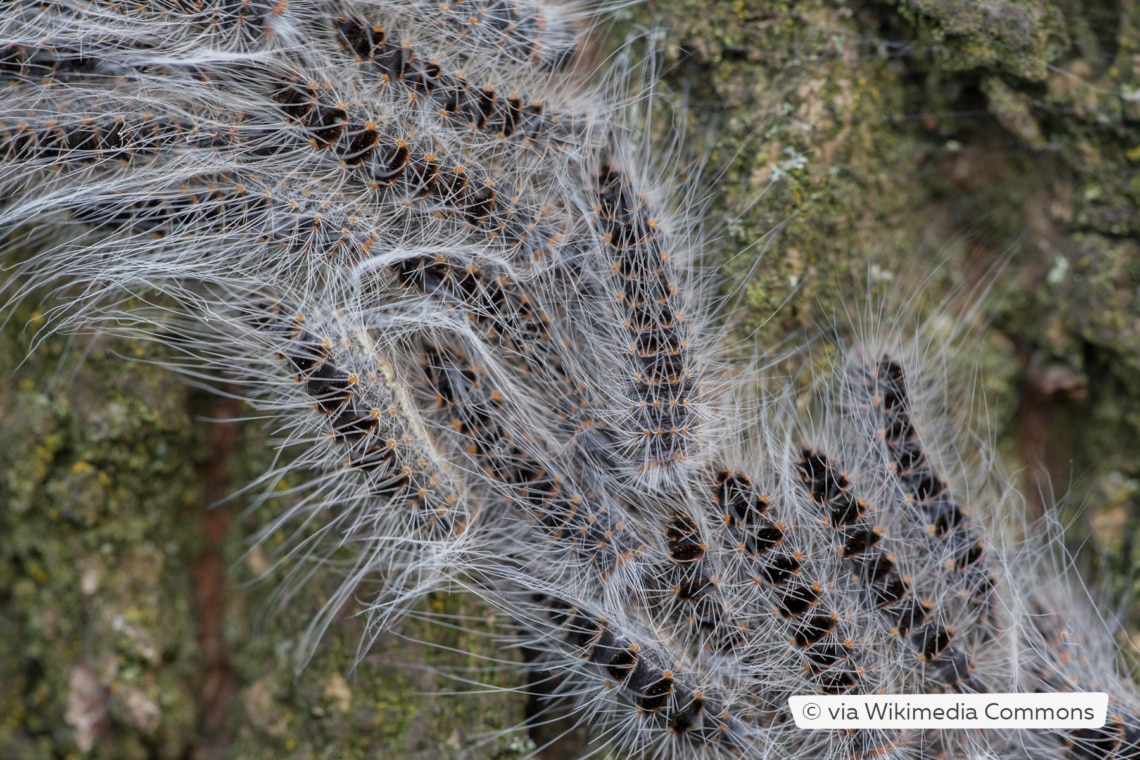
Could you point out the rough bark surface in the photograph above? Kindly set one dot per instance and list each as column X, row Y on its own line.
column 851, row 144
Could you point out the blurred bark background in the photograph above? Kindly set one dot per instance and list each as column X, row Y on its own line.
column 849, row 143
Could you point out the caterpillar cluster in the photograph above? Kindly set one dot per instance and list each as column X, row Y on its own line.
column 431, row 251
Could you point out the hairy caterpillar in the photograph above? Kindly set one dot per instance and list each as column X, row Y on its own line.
column 330, row 148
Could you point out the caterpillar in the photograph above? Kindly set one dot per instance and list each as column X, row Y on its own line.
column 456, row 277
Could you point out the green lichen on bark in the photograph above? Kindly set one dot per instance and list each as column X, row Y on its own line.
column 96, row 491
column 395, row 702
column 1021, row 37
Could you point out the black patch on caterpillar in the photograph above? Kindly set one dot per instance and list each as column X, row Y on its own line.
column 779, row 568
column 480, row 107
column 685, row 544
column 931, row 639
column 811, row 630
column 909, row 613
column 796, row 600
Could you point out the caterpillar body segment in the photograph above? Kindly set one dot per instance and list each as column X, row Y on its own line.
column 397, row 169
column 398, row 511
column 543, row 36
column 958, row 545
column 586, row 539
column 638, row 689
column 790, row 588
column 940, row 662
column 450, row 96
column 364, row 416
column 662, row 359
column 530, row 326
column 217, row 29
